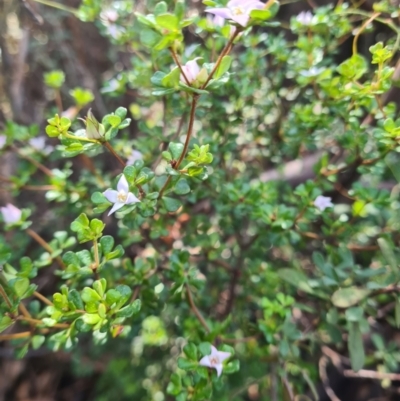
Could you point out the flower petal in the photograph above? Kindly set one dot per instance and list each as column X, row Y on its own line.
column 193, row 69
column 253, row 5
column 214, row 351
column 223, row 355
column 218, row 368
column 205, row 361
column 131, row 199
column 123, row 184
column 111, row 195
column 116, row 207
column 241, row 19
column 221, row 12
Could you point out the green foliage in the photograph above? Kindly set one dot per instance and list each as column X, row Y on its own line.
column 217, row 239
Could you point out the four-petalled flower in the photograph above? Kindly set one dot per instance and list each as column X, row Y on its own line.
column 322, row 202
column 305, row 18
column 193, row 72
column 215, row 359
column 121, row 196
column 3, row 140
column 135, row 155
column 11, row 214
column 237, row 10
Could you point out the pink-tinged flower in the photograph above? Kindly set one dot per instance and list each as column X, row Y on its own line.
column 305, row 18
column 135, row 155
column 39, row 144
column 322, row 202
column 121, row 197
column 237, row 10
column 191, row 70
column 215, row 21
column 3, row 140
column 214, row 360
column 11, row 214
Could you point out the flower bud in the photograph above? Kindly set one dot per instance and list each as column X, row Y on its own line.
column 94, row 130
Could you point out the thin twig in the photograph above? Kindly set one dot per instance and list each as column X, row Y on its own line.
column 195, row 98
column 39, row 322
column 186, row 145
column 43, row 298
column 38, row 165
column 198, row 314
column 44, row 245
column 224, row 52
column 325, row 379
column 177, row 62
column 6, row 337
column 5, row 297
column 123, row 164
column 372, row 374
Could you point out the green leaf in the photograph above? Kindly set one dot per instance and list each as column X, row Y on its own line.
column 114, row 121
column 91, row 318
column 20, row 286
column 353, row 68
column 37, row 341
column 346, row 297
column 388, row 254
column 97, row 227
column 52, row 131
column 190, row 350
column 224, row 66
column 125, row 293
column 129, row 310
column 171, row 204
column 160, row 8
column 75, row 298
column 182, row 187
column 175, row 149
column 5, row 322
column 89, row 295
column 171, row 80
column 296, row 278
column 121, row 112
column 100, row 286
column 232, row 367
column 80, row 222
column 354, row 314
column 82, row 96
column 107, row 244
column 356, row 347
column 112, row 297
column 175, row 385
column 54, row 79
column 185, row 364
column 167, row 21
column 98, row 198
column 262, row 15
column 205, row 348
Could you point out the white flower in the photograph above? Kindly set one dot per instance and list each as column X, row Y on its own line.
column 121, row 197
column 312, row 72
column 191, row 70
column 39, row 144
column 237, row 10
column 3, row 140
column 135, row 155
column 215, row 359
column 305, row 18
column 322, row 202
column 11, row 214
column 215, row 21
